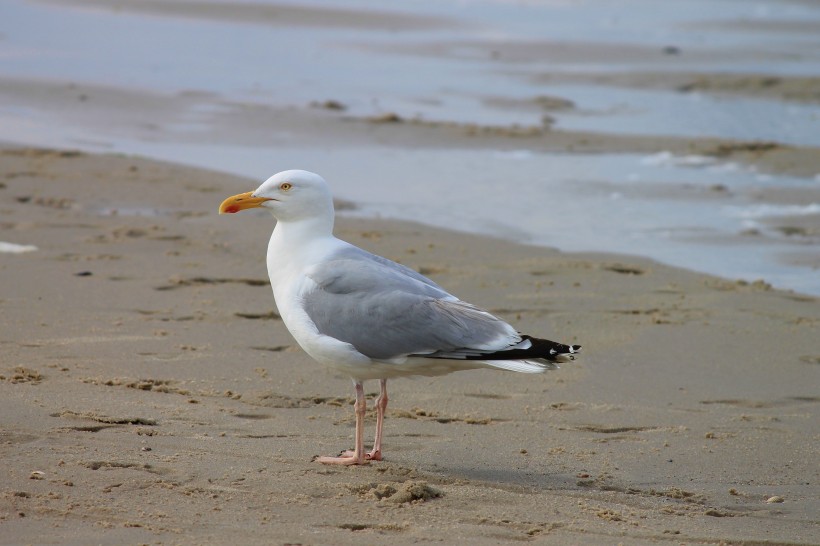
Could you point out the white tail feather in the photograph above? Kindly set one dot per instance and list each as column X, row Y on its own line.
column 522, row 366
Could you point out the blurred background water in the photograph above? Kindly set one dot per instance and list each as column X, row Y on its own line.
column 180, row 80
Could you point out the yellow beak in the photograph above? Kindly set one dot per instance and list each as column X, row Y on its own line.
column 242, row 201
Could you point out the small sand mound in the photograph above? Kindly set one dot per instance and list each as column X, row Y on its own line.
column 401, row 493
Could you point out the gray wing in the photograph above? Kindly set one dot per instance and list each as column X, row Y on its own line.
column 386, row 310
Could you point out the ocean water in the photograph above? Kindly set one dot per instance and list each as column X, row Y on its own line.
column 465, row 61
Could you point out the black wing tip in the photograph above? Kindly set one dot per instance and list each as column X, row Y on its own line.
column 557, row 352
column 568, row 356
column 540, row 349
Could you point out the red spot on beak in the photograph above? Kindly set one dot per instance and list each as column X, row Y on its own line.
column 231, row 209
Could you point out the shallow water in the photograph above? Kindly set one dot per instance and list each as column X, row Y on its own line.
column 693, row 212
column 644, row 112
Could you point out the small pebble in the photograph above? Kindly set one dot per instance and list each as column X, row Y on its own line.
column 37, row 475
column 775, row 499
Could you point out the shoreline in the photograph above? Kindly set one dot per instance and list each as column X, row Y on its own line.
column 151, row 394
column 249, row 124
column 188, row 123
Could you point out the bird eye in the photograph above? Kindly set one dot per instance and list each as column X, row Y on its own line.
column 285, row 186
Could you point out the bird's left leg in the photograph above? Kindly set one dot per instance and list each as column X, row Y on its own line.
column 381, row 405
column 358, row 455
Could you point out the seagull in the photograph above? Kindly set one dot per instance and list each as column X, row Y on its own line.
column 370, row 317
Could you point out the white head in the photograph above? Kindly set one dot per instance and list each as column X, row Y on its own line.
column 290, row 195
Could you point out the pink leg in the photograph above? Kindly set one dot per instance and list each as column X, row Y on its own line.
column 381, row 405
column 358, row 456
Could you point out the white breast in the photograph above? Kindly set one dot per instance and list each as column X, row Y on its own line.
column 287, row 266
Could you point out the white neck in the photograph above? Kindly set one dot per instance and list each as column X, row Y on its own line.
column 301, row 232
column 297, row 244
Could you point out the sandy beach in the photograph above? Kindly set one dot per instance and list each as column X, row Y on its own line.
column 150, row 394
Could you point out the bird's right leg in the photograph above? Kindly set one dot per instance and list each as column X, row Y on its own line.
column 381, row 405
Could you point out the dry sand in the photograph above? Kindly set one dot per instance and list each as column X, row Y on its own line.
column 149, row 393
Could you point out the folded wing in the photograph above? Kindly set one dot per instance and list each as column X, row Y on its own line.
column 387, row 311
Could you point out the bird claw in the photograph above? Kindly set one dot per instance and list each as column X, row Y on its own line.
column 342, row 459
column 373, row 455
column 348, row 458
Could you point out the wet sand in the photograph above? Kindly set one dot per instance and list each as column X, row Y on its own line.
column 790, row 88
column 166, row 117
column 150, row 394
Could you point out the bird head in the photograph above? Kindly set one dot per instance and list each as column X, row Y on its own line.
column 289, row 195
